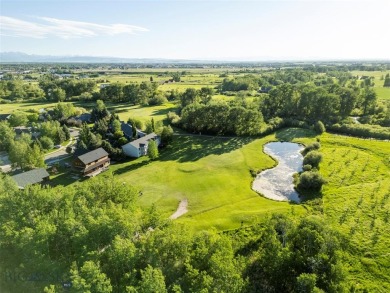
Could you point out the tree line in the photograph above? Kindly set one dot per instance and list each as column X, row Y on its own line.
column 96, row 238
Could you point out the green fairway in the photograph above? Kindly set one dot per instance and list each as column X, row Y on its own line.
column 213, row 174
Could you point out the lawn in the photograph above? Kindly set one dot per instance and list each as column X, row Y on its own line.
column 213, row 174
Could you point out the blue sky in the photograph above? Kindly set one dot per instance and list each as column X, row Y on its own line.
column 219, row 30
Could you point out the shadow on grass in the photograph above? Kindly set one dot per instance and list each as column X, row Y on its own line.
column 65, row 179
column 131, row 167
column 288, row 134
column 193, row 148
column 163, row 111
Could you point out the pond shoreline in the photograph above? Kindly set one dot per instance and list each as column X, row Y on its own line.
column 272, row 183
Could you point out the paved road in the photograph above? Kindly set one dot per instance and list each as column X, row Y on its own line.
column 61, row 153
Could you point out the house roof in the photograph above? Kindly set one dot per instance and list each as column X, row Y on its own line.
column 93, row 156
column 85, row 117
column 30, row 177
column 127, row 129
column 143, row 140
column 4, row 116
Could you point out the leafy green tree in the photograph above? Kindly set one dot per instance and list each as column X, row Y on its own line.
column 152, row 150
column 176, row 76
column 152, row 280
column 166, row 135
column 18, row 118
column 306, row 283
column 369, row 98
column 387, row 81
column 90, row 279
column 58, row 94
column 206, row 94
column 64, row 110
column 7, row 135
column 26, row 155
column 99, row 111
column 46, row 143
column 190, row 96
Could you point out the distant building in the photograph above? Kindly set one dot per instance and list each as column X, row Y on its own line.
column 92, row 163
column 139, row 147
column 104, row 85
column 31, row 177
column 22, row 129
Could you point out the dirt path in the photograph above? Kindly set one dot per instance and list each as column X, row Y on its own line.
column 181, row 209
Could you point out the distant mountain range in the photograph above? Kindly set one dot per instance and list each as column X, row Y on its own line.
column 20, row 57
column 7, row 57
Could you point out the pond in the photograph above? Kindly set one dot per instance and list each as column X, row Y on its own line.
column 277, row 183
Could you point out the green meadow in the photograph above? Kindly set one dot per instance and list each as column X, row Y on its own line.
column 382, row 92
column 356, row 201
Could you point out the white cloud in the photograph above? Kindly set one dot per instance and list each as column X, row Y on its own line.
column 65, row 29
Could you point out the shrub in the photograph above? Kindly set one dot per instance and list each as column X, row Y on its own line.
column 310, row 180
column 312, row 158
column 311, row 147
column 307, row 167
column 319, row 127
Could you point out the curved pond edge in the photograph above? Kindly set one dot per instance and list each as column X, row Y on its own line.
column 276, row 163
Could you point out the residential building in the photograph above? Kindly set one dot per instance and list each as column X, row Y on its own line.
column 127, row 130
column 92, row 163
column 139, row 147
column 31, row 177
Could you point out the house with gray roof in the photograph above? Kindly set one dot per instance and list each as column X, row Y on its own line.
column 128, row 131
column 139, row 147
column 92, row 163
column 31, row 177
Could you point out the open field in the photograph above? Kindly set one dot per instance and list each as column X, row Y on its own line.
column 356, row 201
column 124, row 111
column 382, row 92
column 213, row 174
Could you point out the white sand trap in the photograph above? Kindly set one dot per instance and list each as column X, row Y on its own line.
column 181, row 209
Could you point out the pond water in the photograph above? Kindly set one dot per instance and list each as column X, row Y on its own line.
column 277, row 183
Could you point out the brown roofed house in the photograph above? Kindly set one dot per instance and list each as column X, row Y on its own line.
column 92, row 163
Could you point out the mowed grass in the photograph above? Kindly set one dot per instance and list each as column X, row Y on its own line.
column 356, row 201
column 213, row 174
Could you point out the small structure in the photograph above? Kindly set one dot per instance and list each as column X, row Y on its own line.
column 92, row 163
column 139, row 147
column 22, row 129
column 31, row 177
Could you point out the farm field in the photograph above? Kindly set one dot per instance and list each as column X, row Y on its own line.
column 124, row 111
column 382, row 92
column 356, row 201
